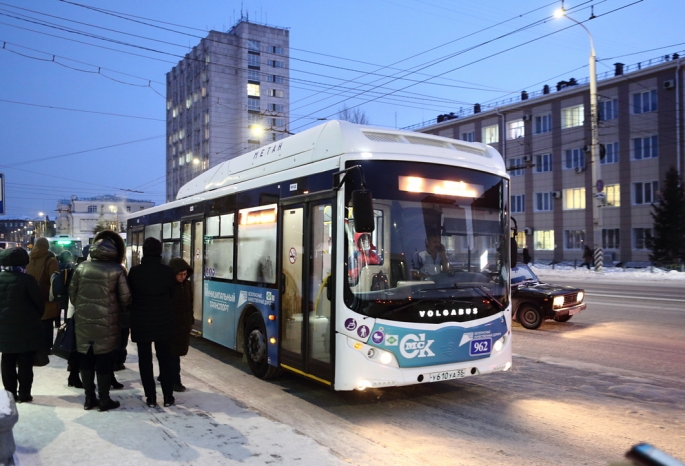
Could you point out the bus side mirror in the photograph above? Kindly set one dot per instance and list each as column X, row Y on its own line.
column 362, row 205
column 514, row 252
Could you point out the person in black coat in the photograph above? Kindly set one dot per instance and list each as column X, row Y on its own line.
column 152, row 319
column 21, row 329
column 183, row 318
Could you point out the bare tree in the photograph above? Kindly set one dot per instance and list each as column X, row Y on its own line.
column 354, row 115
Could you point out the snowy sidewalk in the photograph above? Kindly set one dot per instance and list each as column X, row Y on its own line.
column 205, row 427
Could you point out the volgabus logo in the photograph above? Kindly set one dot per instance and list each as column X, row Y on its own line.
column 412, row 346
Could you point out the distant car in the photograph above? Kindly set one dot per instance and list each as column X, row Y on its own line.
column 535, row 301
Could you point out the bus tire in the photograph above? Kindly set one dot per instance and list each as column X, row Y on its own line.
column 255, row 348
column 529, row 316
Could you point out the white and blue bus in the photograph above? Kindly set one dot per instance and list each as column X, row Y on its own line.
column 274, row 238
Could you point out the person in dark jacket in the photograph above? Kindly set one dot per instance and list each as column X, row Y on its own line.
column 152, row 318
column 184, row 319
column 59, row 293
column 588, row 258
column 100, row 293
column 42, row 265
column 21, row 331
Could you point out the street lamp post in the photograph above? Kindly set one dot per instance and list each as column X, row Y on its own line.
column 594, row 151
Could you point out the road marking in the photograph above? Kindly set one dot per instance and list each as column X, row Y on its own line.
column 592, row 295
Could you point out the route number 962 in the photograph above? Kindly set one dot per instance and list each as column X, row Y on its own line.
column 479, row 347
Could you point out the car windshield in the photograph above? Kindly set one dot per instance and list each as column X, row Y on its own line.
column 521, row 274
column 440, row 248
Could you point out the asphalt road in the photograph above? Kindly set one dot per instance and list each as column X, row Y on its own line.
column 581, row 392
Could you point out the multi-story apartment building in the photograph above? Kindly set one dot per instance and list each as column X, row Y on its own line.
column 78, row 217
column 16, row 230
column 545, row 138
column 229, row 95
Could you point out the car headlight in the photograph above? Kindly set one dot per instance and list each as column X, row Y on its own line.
column 580, row 297
column 558, row 301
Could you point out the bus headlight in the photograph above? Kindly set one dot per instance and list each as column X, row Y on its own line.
column 558, row 301
column 386, row 357
column 499, row 344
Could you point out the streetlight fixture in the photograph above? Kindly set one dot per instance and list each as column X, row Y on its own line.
column 45, row 223
column 597, row 185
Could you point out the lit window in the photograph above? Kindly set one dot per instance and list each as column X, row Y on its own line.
column 572, row 116
column 544, row 240
column 490, row 134
column 516, row 129
column 645, row 148
column 613, row 195
column 253, row 89
column 644, row 102
column 574, row 198
column 181, row 161
column 543, row 123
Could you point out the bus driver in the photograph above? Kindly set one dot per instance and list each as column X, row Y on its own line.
column 433, row 260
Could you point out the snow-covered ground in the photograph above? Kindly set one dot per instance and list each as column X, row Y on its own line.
column 608, row 274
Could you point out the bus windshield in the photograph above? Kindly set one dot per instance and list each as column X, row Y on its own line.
column 60, row 244
column 440, row 248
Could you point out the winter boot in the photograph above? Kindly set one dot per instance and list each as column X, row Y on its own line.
column 88, row 378
column 104, row 383
column 74, row 380
column 116, row 385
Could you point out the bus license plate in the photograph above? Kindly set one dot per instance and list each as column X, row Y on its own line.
column 447, row 375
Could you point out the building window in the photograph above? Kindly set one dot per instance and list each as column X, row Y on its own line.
column 274, row 78
column 544, row 240
column 253, row 103
column 574, row 198
column 254, row 119
column 491, row 134
column 516, row 162
column 613, row 195
column 276, row 108
column 543, row 123
column 253, row 45
column 644, row 102
column 575, row 158
column 518, row 204
column 572, row 116
column 253, row 75
column 253, row 90
column 608, row 109
column 574, row 239
column 610, row 238
column 92, row 209
column 645, row 148
column 128, row 208
column 275, row 93
column 276, row 122
column 640, row 236
column 469, row 136
column 253, row 60
column 275, row 50
column 516, row 129
column 543, row 163
column 543, row 202
column 276, row 64
column 610, row 154
column 645, row 192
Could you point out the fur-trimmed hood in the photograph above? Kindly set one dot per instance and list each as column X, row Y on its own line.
column 114, row 238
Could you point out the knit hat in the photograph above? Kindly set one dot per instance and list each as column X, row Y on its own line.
column 14, row 256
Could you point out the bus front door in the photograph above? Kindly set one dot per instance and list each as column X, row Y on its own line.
column 306, row 288
column 192, row 234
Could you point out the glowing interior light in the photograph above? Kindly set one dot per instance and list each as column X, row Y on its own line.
column 272, row 340
column 416, row 184
column 272, row 317
column 209, row 321
column 367, row 155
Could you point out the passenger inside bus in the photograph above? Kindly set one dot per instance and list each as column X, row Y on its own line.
column 365, row 253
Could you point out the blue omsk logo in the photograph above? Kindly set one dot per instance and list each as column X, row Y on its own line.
column 412, row 346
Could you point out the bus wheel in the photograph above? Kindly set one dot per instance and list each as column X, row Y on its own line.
column 529, row 316
column 256, row 348
column 565, row 318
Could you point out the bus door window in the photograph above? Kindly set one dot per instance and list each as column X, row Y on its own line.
column 171, row 236
column 197, row 264
column 319, row 275
column 186, row 245
column 291, row 296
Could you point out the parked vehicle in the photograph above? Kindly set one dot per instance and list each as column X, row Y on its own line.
column 535, row 301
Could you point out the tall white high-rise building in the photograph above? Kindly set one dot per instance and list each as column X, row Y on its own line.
column 229, row 95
